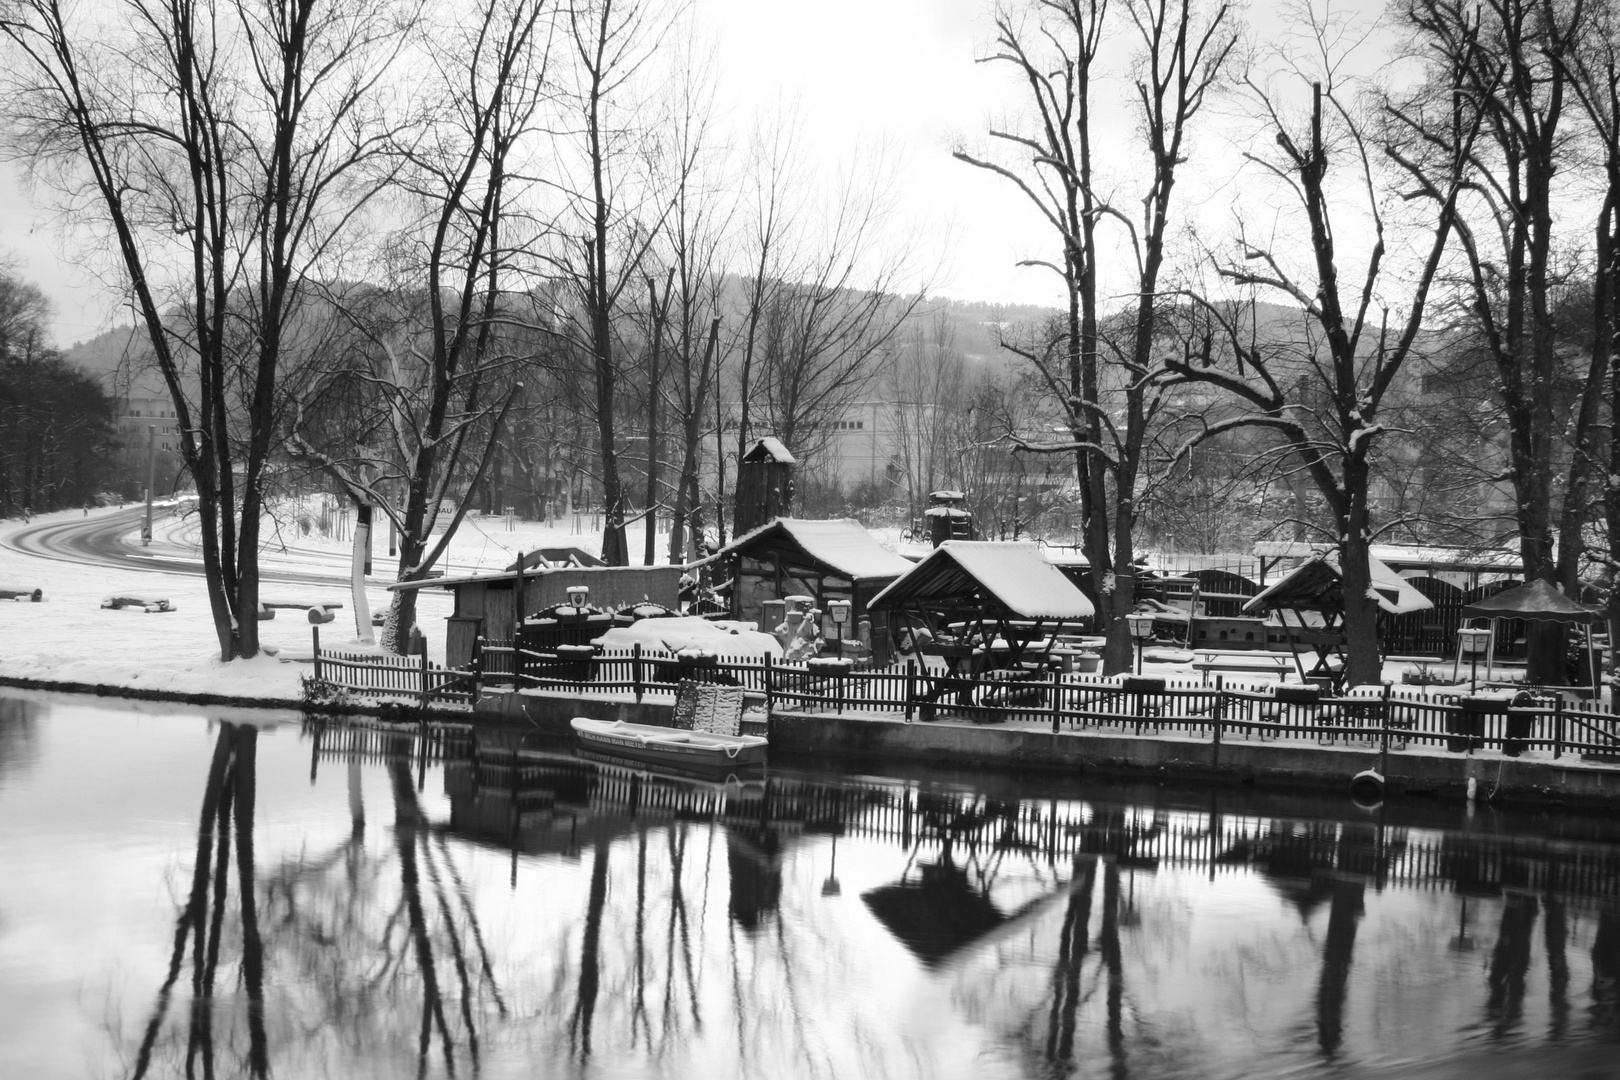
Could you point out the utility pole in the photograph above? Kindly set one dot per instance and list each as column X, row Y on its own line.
column 151, row 480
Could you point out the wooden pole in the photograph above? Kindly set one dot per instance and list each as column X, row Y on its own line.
column 315, row 633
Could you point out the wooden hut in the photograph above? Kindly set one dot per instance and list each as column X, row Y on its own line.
column 824, row 560
column 491, row 605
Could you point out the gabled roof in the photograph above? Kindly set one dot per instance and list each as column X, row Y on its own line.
column 769, row 448
column 842, row 545
column 1017, row 577
column 1315, row 585
column 1538, row 601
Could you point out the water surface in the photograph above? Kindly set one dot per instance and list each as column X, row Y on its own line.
column 184, row 892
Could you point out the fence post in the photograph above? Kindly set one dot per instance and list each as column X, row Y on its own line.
column 911, row 687
column 1558, row 727
column 424, row 668
column 315, row 633
column 838, row 690
column 1383, row 724
column 770, row 692
column 1057, row 702
column 635, row 669
column 477, row 668
column 1220, row 710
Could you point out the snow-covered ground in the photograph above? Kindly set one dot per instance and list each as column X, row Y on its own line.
column 71, row 638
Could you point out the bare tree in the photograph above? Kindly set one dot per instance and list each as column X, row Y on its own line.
column 1322, row 393
column 1109, row 413
column 608, row 220
column 226, row 151
column 928, row 390
column 1513, row 60
column 437, row 349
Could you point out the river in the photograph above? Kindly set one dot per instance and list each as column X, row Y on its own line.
column 238, row 894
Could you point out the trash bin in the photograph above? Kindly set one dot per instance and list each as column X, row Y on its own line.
column 574, row 662
column 1469, row 722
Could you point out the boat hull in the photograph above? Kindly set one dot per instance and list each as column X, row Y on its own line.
column 691, row 750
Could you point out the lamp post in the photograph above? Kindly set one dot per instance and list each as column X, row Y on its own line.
column 1473, row 641
column 1141, row 624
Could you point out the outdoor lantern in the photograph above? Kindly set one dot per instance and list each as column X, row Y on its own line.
column 1473, row 641
column 1141, row 624
column 577, row 594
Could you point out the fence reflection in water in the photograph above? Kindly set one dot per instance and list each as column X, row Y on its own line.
column 983, row 879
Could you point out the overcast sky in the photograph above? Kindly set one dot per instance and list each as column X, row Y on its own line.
column 863, row 72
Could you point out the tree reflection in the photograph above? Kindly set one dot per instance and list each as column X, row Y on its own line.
column 227, row 810
column 19, row 720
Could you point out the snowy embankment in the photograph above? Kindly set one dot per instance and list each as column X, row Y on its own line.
column 70, row 638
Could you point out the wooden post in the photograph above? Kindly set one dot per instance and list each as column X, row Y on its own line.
column 477, row 668
column 635, row 669
column 1220, row 711
column 1057, row 701
column 838, row 691
column 517, row 610
column 315, row 633
column 1383, row 725
column 1558, row 727
column 911, row 687
column 770, row 693
column 422, row 656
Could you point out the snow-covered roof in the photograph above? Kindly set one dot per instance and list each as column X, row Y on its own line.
column 1313, row 583
column 842, row 544
column 772, row 447
column 1016, row 576
column 1415, row 556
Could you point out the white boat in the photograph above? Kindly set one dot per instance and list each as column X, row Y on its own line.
column 669, row 746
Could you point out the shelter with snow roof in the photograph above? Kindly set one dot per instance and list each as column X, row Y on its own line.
column 492, row 605
column 969, row 594
column 1313, row 593
column 824, row 560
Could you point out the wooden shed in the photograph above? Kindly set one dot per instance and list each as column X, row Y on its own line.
column 488, row 604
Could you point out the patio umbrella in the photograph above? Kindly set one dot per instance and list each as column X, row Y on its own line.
column 1540, row 601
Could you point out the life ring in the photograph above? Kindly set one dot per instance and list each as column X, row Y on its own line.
column 1367, row 788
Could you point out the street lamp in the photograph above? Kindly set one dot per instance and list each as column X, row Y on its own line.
column 1141, row 624
column 1473, row 641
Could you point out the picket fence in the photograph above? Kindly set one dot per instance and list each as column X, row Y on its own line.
column 1381, row 718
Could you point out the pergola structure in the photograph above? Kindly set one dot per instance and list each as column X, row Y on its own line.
column 1313, row 593
column 969, row 594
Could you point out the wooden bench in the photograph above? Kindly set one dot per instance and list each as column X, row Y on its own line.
column 21, row 592
column 150, row 605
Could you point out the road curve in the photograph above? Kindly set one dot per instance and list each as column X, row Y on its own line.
column 105, row 540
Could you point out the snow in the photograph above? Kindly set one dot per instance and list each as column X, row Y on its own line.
column 842, row 543
column 70, row 638
column 1018, row 574
column 689, row 633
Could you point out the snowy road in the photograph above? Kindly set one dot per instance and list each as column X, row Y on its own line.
column 112, row 540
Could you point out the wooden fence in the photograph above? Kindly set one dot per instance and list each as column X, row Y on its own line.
column 390, row 675
column 1380, row 718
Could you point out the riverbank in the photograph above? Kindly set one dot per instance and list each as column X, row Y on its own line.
column 1534, row 779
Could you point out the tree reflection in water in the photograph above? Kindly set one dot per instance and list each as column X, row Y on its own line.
column 227, row 810
column 667, row 927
